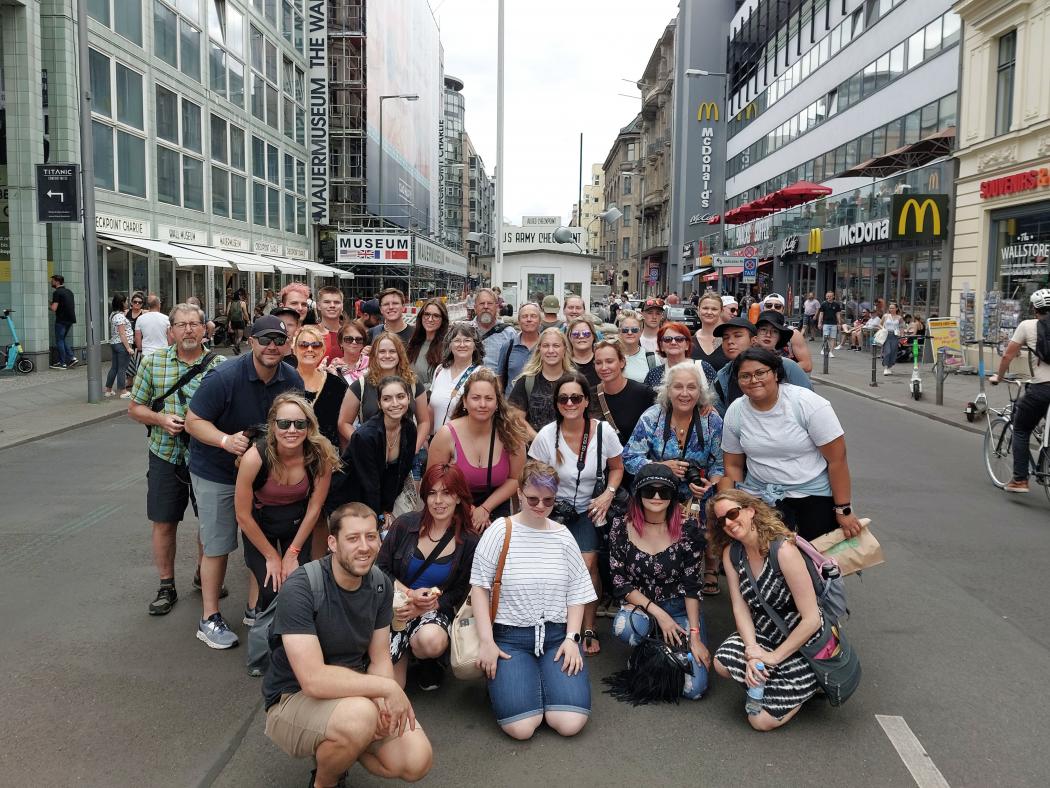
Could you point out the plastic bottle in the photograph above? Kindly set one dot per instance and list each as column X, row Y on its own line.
column 753, row 704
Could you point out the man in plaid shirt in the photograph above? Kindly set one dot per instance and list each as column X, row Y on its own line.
column 168, row 480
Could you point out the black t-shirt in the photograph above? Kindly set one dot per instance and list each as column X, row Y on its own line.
column 326, row 406
column 405, row 334
column 368, row 396
column 63, row 296
column 628, row 406
column 343, row 625
column 537, row 405
column 716, row 359
column 830, row 310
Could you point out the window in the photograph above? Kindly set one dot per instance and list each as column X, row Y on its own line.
column 625, row 246
column 175, row 41
column 191, row 126
column 218, row 139
column 238, row 198
column 950, row 33
column 915, row 49
column 126, row 16
column 189, row 51
column 168, row 176
column 237, row 147
column 180, row 176
column 165, row 34
column 220, row 192
column 1004, row 82
column 100, row 87
column 102, row 138
column 167, row 115
column 119, row 152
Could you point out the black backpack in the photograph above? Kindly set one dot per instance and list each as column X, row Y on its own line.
column 1042, row 339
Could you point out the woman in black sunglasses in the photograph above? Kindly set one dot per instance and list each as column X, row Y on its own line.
column 353, row 338
column 324, row 391
column 655, row 558
column 282, row 482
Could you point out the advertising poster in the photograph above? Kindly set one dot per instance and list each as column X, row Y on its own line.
column 944, row 332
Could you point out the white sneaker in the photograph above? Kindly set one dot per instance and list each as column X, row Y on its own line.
column 830, row 354
column 886, row 371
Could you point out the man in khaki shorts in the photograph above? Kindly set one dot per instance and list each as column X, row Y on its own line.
column 330, row 690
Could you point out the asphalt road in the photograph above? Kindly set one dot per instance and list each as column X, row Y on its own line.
column 952, row 633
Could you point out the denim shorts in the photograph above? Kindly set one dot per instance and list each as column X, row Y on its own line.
column 631, row 626
column 526, row 685
column 584, row 532
column 217, row 517
column 831, row 330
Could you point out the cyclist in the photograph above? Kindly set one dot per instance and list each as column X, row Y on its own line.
column 1033, row 405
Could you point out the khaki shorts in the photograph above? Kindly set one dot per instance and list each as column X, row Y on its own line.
column 297, row 724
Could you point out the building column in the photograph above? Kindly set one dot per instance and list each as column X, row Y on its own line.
column 30, row 290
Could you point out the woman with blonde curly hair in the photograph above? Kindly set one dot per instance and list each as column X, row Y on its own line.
column 740, row 517
column 387, row 357
column 485, row 439
column 533, row 392
column 282, row 482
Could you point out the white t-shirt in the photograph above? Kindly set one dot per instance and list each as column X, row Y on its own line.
column 638, row 366
column 779, row 450
column 154, row 329
column 811, row 306
column 543, row 449
column 649, row 343
column 543, row 575
column 1026, row 335
column 441, row 400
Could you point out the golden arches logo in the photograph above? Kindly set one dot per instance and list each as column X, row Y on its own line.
column 919, row 209
column 816, row 241
column 708, row 111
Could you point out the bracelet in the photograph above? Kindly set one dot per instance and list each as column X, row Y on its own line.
column 484, row 509
column 294, row 550
column 694, row 630
column 646, row 608
column 222, row 443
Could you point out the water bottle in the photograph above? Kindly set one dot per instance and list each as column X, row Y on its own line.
column 753, row 704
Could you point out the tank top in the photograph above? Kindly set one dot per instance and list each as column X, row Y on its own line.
column 274, row 494
column 892, row 324
column 716, row 358
column 477, row 477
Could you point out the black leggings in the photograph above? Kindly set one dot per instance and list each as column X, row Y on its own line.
column 279, row 525
column 809, row 517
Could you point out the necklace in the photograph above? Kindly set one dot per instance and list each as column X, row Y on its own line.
column 650, row 522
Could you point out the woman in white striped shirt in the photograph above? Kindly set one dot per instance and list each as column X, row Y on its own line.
column 531, row 651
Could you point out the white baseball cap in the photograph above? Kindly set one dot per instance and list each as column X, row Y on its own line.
column 774, row 298
column 729, row 301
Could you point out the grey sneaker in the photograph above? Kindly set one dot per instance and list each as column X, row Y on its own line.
column 214, row 633
column 166, row 599
column 249, row 616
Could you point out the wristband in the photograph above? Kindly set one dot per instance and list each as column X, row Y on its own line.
column 222, row 443
column 294, row 550
column 694, row 630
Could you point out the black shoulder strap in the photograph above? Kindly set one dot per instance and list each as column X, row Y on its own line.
column 504, row 363
column 434, row 555
column 650, row 358
column 742, row 565
column 187, row 376
column 605, row 408
column 600, row 456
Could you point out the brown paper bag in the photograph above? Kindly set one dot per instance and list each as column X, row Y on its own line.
column 860, row 552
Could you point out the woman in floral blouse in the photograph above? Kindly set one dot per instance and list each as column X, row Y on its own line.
column 655, row 558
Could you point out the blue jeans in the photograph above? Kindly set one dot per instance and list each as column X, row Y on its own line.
column 118, row 366
column 696, row 684
column 526, row 685
column 65, row 352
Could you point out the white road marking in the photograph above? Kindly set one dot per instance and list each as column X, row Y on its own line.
column 910, row 749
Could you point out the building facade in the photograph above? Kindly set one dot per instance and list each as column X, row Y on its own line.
column 199, row 141
column 479, row 211
column 1002, row 217
column 619, row 240
column 593, row 205
column 844, row 94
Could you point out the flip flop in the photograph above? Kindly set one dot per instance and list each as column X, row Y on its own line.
column 710, row 587
column 590, row 640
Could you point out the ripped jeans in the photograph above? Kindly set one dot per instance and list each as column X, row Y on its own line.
column 695, row 684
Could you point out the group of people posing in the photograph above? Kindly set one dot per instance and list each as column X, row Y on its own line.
column 549, row 473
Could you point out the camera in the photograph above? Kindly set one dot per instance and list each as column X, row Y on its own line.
column 695, row 473
column 564, row 512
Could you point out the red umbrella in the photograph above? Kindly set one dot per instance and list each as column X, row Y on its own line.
column 790, row 196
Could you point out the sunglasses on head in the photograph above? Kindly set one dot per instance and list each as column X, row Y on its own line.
column 732, row 514
column 656, row 491
column 315, row 344
column 284, row 424
column 535, row 500
column 276, row 339
column 565, row 399
column 353, row 340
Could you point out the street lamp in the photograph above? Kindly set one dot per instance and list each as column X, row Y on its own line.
column 563, row 235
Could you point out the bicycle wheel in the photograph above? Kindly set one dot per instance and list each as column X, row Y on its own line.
column 998, row 459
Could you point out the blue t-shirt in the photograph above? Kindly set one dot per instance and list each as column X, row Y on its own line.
column 232, row 397
column 435, row 575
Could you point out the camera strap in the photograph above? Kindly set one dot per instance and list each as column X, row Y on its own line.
column 692, row 427
column 581, row 461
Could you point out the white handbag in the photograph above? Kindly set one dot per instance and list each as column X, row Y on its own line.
column 880, row 337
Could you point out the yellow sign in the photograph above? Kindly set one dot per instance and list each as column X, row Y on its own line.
column 944, row 332
column 708, row 111
column 903, row 206
column 816, row 241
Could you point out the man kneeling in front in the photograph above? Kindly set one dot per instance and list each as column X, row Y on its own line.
column 330, row 691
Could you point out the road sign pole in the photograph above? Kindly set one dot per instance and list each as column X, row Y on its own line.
column 92, row 294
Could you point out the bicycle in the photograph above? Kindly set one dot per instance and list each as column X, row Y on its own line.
column 998, row 455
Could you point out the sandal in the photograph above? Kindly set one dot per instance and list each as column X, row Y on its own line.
column 591, row 645
column 710, row 586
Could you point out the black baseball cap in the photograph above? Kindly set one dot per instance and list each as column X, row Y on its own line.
column 370, row 307
column 736, row 322
column 268, row 324
column 656, row 474
column 285, row 311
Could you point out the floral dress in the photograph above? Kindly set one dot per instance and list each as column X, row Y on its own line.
column 673, row 573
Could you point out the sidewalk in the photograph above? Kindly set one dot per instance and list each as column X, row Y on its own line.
column 851, row 371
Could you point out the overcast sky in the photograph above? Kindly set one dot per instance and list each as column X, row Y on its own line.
column 566, row 61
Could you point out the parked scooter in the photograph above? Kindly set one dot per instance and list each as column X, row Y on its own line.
column 916, row 378
column 13, row 355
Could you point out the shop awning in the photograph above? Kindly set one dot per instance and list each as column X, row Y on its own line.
column 323, row 270
column 711, row 277
column 284, row 266
column 690, row 274
column 790, row 196
column 183, row 256
column 733, row 271
column 242, row 261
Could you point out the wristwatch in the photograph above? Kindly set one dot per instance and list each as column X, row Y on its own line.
column 611, row 489
column 573, row 636
column 843, row 508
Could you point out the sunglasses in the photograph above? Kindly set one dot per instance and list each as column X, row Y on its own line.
column 534, row 500
column 732, row 514
column 284, row 424
column 777, row 307
column 673, row 340
column 276, row 339
column 733, row 310
column 306, row 345
column 634, row 330
column 353, row 340
column 581, row 335
column 565, row 399
column 656, row 492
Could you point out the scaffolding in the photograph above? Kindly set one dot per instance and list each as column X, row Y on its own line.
column 347, row 86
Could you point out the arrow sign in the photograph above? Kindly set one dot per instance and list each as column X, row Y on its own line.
column 57, row 193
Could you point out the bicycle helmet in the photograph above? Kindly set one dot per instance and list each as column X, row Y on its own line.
column 1041, row 299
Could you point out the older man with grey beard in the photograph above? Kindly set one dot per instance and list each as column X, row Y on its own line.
column 493, row 331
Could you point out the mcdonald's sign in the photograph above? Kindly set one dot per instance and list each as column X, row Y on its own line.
column 708, row 111
column 815, row 245
column 918, row 216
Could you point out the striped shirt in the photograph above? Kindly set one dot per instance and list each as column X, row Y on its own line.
column 544, row 573
column 157, row 373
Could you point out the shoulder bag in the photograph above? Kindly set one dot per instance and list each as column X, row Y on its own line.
column 619, row 502
column 465, row 641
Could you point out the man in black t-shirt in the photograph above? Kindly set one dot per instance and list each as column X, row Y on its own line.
column 829, row 318
column 330, row 691
column 65, row 317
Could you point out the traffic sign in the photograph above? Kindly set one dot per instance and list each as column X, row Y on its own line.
column 750, row 269
column 57, row 195
column 750, row 251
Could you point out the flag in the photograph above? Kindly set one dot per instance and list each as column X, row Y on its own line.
column 396, row 255
column 368, row 254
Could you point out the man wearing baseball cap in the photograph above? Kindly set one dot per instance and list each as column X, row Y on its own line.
column 231, row 398
column 371, row 315
column 738, row 335
column 551, row 308
column 652, row 319
column 796, row 347
column 730, row 308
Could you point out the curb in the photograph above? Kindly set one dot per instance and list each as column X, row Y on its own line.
column 898, row 405
column 60, row 430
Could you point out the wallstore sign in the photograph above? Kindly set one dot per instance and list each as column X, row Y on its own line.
column 1029, row 180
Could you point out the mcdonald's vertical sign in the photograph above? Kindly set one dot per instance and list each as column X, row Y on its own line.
column 815, row 244
column 919, row 216
column 708, row 110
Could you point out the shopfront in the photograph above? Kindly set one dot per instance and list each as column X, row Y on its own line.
column 1020, row 250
